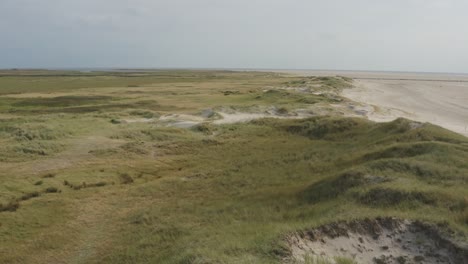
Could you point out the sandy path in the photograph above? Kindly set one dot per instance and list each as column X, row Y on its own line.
column 239, row 117
column 443, row 103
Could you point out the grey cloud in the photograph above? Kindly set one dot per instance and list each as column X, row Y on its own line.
column 414, row 35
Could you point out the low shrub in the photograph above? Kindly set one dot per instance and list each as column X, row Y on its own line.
column 84, row 185
column 10, row 207
column 48, row 175
column 331, row 188
column 125, row 178
column 51, row 190
column 383, row 197
column 28, row 196
column 38, row 183
column 203, row 128
column 98, row 184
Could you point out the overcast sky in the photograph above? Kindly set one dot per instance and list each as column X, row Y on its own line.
column 400, row 35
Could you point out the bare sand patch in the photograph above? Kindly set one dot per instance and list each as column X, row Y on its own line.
column 380, row 241
column 239, row 117
column 138, row 120
column 242, row 117
column 181, row 120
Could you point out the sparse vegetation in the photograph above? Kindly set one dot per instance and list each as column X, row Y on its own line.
column 204, row 128
column 343, row 260
column 322, row 83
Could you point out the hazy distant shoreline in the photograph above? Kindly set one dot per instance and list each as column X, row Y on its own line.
column 351, row 73
column 388, row 75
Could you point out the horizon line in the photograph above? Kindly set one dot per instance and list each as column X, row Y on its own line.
column 221, row 68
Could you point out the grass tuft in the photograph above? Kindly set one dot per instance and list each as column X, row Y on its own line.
column 9, row 207
column 51, row 190
column 30, row 195
column 125, row 178
column 48, row 175
column 37, row 183
column 385, row 197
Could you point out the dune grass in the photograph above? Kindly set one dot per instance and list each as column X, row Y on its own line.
column 143, row 193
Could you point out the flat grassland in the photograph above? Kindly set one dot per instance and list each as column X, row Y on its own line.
column 205, row 166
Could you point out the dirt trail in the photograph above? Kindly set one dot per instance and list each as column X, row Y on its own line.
column 91, row 229
column 95, row 211
column 77, row 153
column 95, row 224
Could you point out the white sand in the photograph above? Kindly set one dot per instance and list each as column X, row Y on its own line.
column 439, row 102
column 441, row 99
column 238, row 117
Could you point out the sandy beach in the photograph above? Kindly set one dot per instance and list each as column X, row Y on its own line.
column 441, row 99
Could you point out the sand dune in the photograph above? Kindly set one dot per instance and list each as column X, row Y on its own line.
column 442, row 103
column 441, row 99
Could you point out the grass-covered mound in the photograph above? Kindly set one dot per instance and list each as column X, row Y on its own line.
column 89, row 175
column 234, row 197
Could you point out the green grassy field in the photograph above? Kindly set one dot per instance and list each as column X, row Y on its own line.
column 90, row 175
